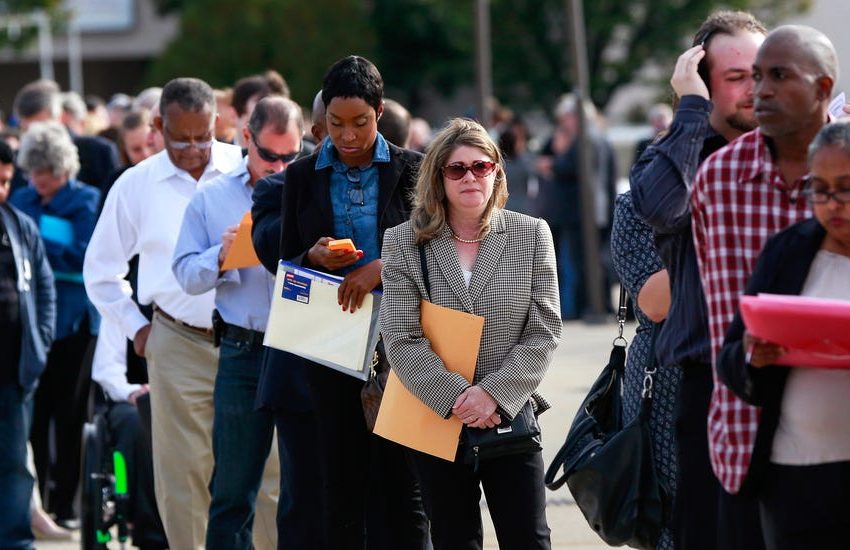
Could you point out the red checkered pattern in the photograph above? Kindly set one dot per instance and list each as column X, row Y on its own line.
column 739, row 200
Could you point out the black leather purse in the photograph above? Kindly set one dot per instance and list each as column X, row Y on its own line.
column 518, row 436
column 609, row 467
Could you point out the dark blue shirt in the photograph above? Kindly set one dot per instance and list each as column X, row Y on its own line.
column 661, row 182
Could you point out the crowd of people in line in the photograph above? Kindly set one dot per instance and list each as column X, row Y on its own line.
column 116, row 221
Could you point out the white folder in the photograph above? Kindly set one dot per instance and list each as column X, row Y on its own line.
column 306, row 319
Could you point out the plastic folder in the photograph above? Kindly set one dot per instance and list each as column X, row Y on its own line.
column 455, row 337
column 815, row 331
column 306, row 319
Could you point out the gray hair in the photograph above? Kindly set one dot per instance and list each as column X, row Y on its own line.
column 74, row 105
column 190, row 94
column 835, row 134
column 277, row 112
column 36, row 97
column 48, row 146
column 146, row 99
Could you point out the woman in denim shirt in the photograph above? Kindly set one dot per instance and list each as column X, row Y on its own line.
column 65, row 211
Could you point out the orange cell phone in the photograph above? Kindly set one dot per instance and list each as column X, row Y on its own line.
column 346, row 245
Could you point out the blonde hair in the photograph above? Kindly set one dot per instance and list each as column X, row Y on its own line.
column 429, row 197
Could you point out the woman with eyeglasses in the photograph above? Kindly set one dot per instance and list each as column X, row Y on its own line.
column 355, row 185
column 497, row 264
column 801, row 462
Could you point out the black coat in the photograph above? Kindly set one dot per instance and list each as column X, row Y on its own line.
column 782, row 268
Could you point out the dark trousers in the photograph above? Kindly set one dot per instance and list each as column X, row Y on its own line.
column 739, row 523
column 241, row 437
column 133, row 441
column 805, row 507
column 299, row 508
column 61, row 401
column 515, row 495
column 15, row 480
column 345, row 458
column 698, row 491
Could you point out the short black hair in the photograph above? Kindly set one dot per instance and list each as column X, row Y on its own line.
column 263, row 85
column 394, row 123
column 7, row 155
column 38, row 96
column 354, row 76
column 190, row 94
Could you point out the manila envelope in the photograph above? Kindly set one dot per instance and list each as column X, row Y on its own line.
column 455, row 337
column 241, row 253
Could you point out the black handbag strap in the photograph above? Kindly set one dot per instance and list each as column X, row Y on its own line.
column 424, row 265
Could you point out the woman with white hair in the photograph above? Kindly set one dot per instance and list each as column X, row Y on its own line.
column 65, row 211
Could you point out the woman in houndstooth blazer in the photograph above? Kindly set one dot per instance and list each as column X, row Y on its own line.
column 496, row 264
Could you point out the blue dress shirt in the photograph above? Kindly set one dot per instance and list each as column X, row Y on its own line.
column 354, row 198
column 661, row 182
column 242, row 296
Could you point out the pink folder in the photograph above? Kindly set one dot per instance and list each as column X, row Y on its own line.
column 815, row 331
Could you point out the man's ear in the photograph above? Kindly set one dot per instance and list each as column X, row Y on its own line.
column 246, row 135
column 157, row 123
column 824, row 84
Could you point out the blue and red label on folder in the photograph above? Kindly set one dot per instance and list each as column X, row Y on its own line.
column 296, row 287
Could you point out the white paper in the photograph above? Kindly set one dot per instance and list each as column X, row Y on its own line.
column 319, row 330
column 836, row 106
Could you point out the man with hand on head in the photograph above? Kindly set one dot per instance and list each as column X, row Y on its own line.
column 242, row 436
column 713, row 84
column 142, row 215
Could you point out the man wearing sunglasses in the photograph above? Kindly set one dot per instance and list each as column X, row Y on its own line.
column 142, row 216
column 242, row 436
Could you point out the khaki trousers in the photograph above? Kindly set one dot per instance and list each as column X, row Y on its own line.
column 182, row 366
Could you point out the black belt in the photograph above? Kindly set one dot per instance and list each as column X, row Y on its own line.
column 248, row 336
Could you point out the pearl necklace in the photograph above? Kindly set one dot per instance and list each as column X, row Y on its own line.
column 465, row 241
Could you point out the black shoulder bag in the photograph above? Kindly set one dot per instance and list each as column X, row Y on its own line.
column 608, row 467
column 518, row 436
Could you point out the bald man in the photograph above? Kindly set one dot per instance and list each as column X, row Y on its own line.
column 744, row 194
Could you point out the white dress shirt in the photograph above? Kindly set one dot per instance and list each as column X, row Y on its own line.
column 109, row 365
column 142, row 215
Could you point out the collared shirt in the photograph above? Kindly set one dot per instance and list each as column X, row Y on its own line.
column 109, row 365
column 739, row 200
column 142, row 215
column 354, row 198
column 661, row 182
column 242, row 296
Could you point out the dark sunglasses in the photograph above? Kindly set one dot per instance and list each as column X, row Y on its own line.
column 479, row 169
column 269, row 156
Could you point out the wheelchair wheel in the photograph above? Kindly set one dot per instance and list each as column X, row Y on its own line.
column 94, row 483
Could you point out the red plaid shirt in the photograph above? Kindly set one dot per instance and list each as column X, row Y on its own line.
column 739, row 200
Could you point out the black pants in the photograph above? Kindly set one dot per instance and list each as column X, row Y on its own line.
column 61, row 400
column 133, row 441
column 299, row 510
column 515, row 495
column 805, row 507
column 354, row 489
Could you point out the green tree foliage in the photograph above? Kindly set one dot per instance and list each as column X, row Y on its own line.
column 424, row 45
column 19, row 37
column 221, row 41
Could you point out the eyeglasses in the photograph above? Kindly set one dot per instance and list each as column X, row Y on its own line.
column 479, row 169
column 816, row 196
column 181, row 145
column 270, row 156
column 355, row 191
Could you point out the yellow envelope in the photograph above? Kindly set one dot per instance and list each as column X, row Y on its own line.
column 241, row 253
column 455, row 337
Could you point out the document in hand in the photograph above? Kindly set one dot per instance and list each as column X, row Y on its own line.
column 815, row 331
column 306, row 319
column 57, row 230
column 241, row 253
column 455, row 337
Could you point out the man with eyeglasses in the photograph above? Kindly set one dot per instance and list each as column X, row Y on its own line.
column 142, row 215
column 242, row 436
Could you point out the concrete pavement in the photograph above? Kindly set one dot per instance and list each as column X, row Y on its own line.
column 583, row 352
